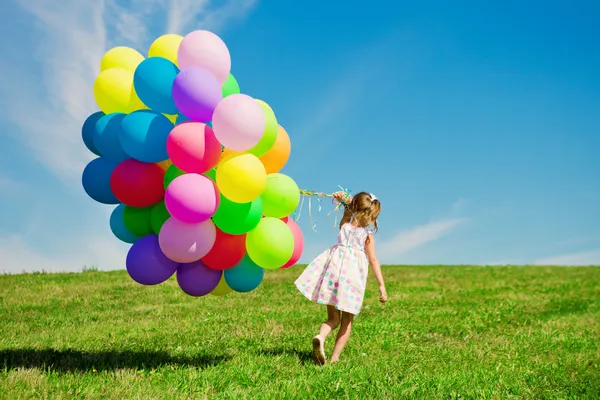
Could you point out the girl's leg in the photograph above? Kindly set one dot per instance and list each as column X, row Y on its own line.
column 343, row 335
column 333, row 320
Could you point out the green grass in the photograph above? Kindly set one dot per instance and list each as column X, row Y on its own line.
column 447, row 332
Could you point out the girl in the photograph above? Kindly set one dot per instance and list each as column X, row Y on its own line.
column 338, row 276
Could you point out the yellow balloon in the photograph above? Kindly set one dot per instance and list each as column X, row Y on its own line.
column 165, row 164
column 114, row 92
column 121, row 57
column 172, row 117
column 166, row 46
column 241, row 178
column 222, row 288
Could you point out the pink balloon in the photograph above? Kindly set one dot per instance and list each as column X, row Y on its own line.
column 193, row 147
column 186, row 243
column 298, row 242
column 206, row 50
column 239, row 122
column 192, row 198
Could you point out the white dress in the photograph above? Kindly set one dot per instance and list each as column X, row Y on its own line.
column 338, row 276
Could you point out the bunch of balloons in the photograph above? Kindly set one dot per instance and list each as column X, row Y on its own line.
column 193, row 165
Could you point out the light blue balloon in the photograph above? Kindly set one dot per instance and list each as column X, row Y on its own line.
column 144, row 135
column 181, row 119
column 117, row 225
column 87, row 132
column 106, row 137
column 153, row 80
column 96, row 180
column 209, row 123
column 245, row 276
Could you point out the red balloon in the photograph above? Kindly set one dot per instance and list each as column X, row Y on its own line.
column 227, row 251
column 298, row 242
column 138, row 184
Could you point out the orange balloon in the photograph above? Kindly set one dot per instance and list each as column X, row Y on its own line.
column 165, row 164
column 279, row 154
column 226, row 153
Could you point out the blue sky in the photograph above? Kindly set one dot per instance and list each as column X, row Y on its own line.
column 476, row 123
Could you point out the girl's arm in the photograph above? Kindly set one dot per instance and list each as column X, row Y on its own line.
column 372, row 256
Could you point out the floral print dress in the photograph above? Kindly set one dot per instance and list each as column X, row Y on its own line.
column 338, row 276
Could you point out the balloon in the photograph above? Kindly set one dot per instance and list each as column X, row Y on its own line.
column 96, row 180
column 241, row 178
column 166, row 46
column 278, row 155
column 192, row 198
column 237, row 218
column 211, row 174
column 137, row 220
column 298, row 242
column 117, row 225
column 193, row 147
column 245, row 276
column 181, row 119
column 226, row 153
column 206, row 50
column 270, row 133
column 158, row 216
column 196, row 93
column 146, row 264
column 171, row 117
column 144, row 135
column 281, row 196
column 196, row 279
column 230, row 86
column 88, row 129
column 170, row 174
column 227, row 251
column 222, row 289
column 165, row 164
column 271, row 244
column 153, row 80
column 106, row 137
column 187, row 243
column 137, row 184
column 114, row 92
column 121, row 57
column 239, row 122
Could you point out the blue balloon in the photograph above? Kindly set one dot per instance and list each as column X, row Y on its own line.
column 117, row 225
column 144, row 135
column 153, row 80
column 209, row 123
column 106, row 137
column 181, row 118
column 245, row 276
column 96, row 180
column 87, row 131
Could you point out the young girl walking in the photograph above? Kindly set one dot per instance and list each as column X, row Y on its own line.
column 338, row 276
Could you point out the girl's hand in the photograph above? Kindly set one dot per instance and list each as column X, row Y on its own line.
column 382, row 294
column 340, row 196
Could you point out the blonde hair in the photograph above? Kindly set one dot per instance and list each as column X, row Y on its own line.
column 364, row 209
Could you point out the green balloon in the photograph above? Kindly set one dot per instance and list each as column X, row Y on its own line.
column 158, row 216
column 137, row 220
column 211, row 174
column 237, row 218
column 269, row 135
column 281, row 196
column 171, row 173
column 271, row 244
column 230, row 86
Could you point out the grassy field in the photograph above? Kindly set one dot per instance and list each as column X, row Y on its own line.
column 447, row 332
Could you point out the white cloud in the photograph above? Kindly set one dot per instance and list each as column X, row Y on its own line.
column 71, row 40
column 418, row 236
column 584, row 258
column 18, row 256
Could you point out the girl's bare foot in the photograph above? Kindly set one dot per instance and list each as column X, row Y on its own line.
column 318, row 350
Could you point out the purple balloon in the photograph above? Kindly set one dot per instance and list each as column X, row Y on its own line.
column 196, row 279
column 196, row 93
column 146, row 263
